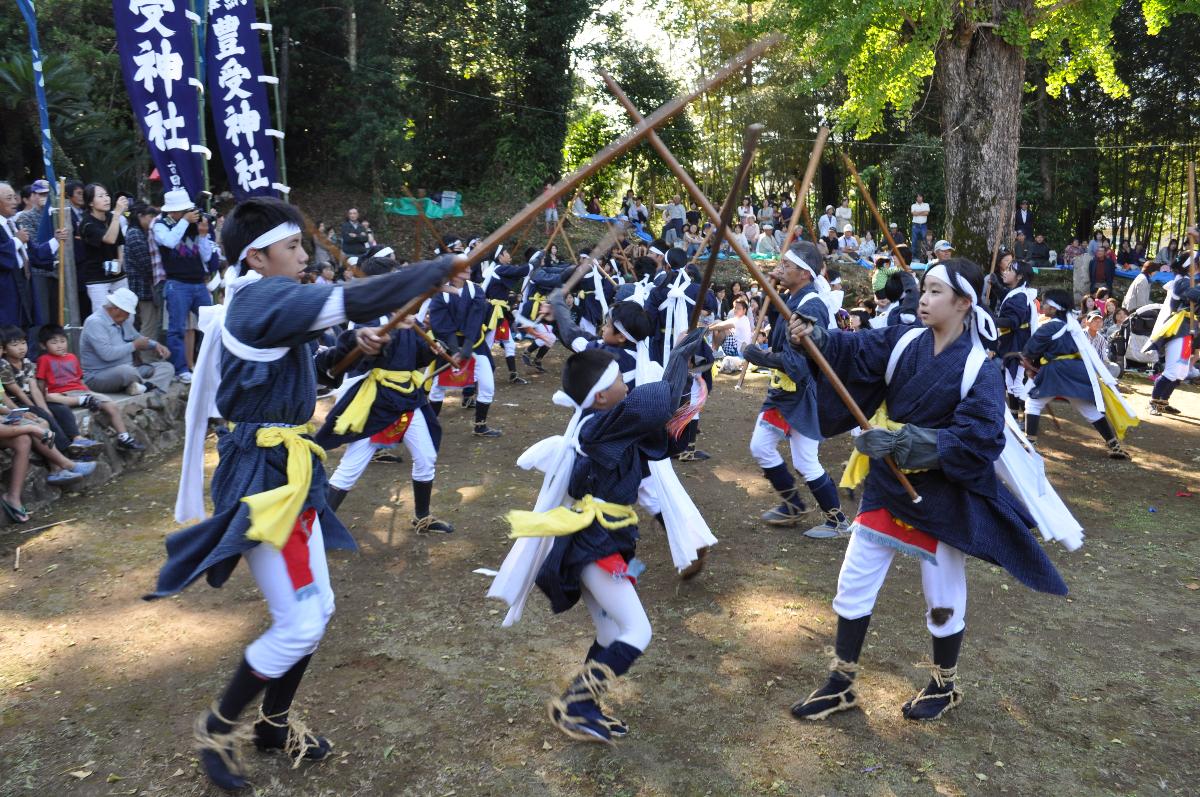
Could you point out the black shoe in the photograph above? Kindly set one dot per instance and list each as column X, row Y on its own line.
column 483, row 430
column 219, row 756
column 431, row 525
column 836, row 695
column 537, row 364
column 468, row 400
column 516, row 380
column 384, row 455
column 292, row 737
column 128, row 442
column 932, row 702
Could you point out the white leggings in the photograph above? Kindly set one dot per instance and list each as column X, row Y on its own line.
column 510, row 345
column 615, row 608
column 358, row 455
column 865, row 568
column 1175, row 365
column 485, row 382
column 297, row 624
column 764, row 445
column 1034, row 406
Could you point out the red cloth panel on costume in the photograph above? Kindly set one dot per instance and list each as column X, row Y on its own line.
column 910, row 539
column 775, row 418
column 295, row 553
column 615, row 563
column 502, row 331
column 458, row 378
column 394, row 433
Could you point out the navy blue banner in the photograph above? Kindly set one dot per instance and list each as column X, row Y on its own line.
column 158, row 62
column 238, row 95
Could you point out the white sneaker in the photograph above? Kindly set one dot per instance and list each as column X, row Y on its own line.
column 136, row 389
column 186, row 377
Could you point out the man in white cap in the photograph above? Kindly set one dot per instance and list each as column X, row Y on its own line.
column 181, row 233
column 107, row 345
column 942, row 250
column 827, row 221
column 766, row 244
column 848, row 244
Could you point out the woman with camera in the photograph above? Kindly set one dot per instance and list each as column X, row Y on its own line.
column 100, row 267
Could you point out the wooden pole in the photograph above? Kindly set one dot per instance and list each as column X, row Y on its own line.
column 810, row 172
column 749, row 145
column 62, row 252
column 866, row 194
column 813, row 353
column 808, row 222
column 1191, row 214
column 613, row 151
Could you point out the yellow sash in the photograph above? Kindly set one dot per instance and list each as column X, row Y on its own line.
column 782, row 381
column 1074, row 356
column 1171, row 328
column 273, row 513
column 354, row 417
column 498, row 308
column 1114, row 409
column 562, row 520
column 860, row 463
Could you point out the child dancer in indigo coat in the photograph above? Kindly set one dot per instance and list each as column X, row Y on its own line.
column 945, row 426
column 580, row 540
column 256, row 371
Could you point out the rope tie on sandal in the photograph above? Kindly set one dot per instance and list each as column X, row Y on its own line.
column 840, row 666
column 940, row 675
column 296, row 745
column 226, row 745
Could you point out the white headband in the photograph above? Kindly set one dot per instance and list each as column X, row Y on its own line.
column 621, row 328
column 983, row 325
column 274, row 235
column 611, row 374
column 1055, row 305
column 657, row 251
column 795, row 258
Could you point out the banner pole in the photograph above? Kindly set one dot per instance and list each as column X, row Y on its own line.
column 27, row 10
column 200, row 9
column 279, row 120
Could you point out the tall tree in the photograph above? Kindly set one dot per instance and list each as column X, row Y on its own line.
column 977, row 54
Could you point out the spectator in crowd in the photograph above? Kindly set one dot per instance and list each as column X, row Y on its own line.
column 1023, row 221
column 577, row 205
column 1126, row 257
column 1103, row 269
column 1138, row 294
column 860, row 319
column 1039, row 251
column 60, row 378
column 692, row 241
column 746, row 209
column 144, row 271
column 848, row 244
column 99, row 269
column 740, row 235
column 24, row 434
column 593, row 206
column 843, row 214
column 897, row 234
column 356, row 235
column 1021, row 247
column 867, row 246
column 693, row 215
column 1073, row 250
column 924, row 251
column 920, row 219
column 1097, row 239
column 766, row 214
column 17, row 260
column 734, row 333
column 1110, row 315
column 30, row 218
column 551, row 209
column 831, row 241
column 1093, row 323
column 18, row 377
column 750, row 230
column 74, row 190
column 640, row 213
column 321, row 255
column 767, row 244
column 1166, row 254
column 942, row 251
column 107, row 346
column 827, row 222
column 181, row 234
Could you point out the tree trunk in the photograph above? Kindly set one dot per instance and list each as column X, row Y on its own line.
column 981, row 79
column 1044, row 163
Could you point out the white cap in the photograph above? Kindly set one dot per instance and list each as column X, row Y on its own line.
column 123, row 299
column 177, row 199
column 848, row 228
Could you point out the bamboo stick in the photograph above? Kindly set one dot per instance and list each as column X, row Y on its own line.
column 866, row 194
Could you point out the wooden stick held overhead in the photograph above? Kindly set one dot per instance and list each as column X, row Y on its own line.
column 613, row 151
column 813, row 353
column 866, row 194
column 753, row 133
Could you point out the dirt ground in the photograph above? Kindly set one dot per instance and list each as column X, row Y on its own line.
column 423, row 692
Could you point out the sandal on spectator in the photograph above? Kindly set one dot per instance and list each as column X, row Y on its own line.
column 63, row 476
column 17, row 514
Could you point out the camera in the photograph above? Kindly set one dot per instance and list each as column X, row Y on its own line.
column 112, row 267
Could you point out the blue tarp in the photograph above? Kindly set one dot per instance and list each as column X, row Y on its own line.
column 637, row 228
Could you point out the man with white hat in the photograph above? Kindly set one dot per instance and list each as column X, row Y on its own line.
column 181, row 233
column 106, row 348
column 848, row 244
column 942, row 250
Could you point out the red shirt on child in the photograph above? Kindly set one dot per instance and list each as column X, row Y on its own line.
column 61, row 374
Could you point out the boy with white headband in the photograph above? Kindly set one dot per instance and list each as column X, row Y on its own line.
column 499, row 278
column 255, row 370
column 382, row 404
column 1067, row 366
column 580, row 540
column 542, row 280
column 790, row 410
column 938, row 406
column 457, row 317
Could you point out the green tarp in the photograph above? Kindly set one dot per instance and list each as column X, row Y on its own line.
column 403, row 206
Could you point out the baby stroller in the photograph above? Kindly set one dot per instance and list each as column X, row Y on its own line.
column 1125, row 346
